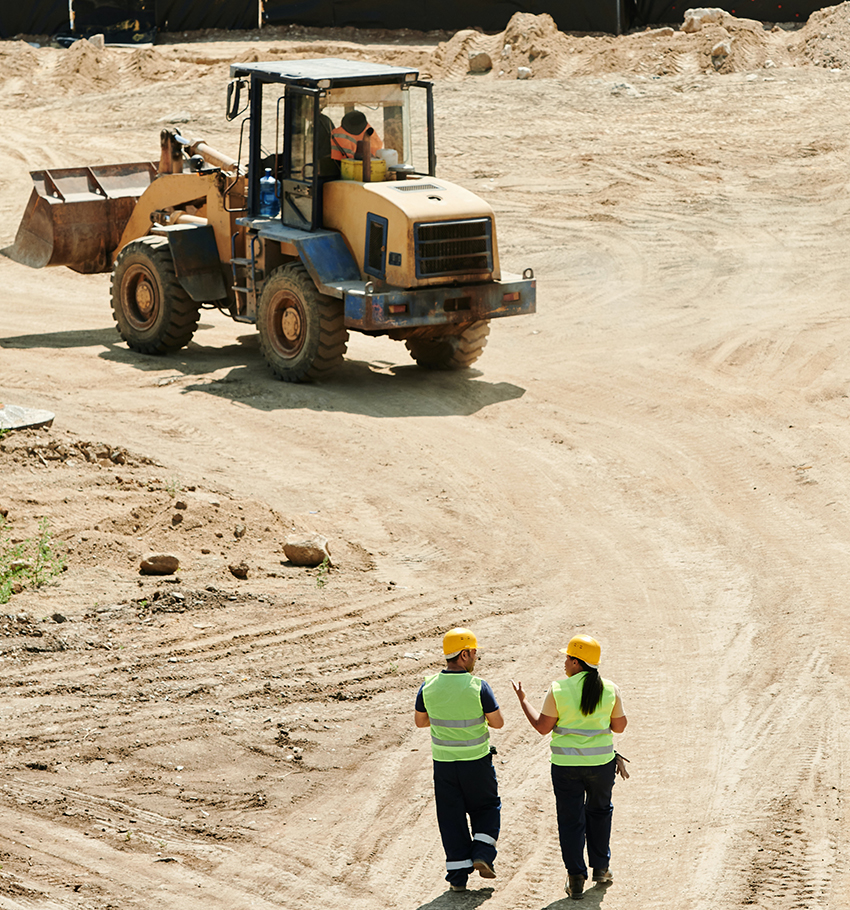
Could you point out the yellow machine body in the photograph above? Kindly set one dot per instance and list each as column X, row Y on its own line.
column 404, row 204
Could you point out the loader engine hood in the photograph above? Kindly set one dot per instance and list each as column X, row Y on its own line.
column 416, row 232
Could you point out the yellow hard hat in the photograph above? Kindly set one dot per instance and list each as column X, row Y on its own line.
column 457, row 640
column 585, row 648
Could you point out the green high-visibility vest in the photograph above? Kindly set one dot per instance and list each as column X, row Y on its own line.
column 458, row 726
column 579, row 739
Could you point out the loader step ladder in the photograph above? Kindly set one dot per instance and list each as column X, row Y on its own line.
column 247, row 304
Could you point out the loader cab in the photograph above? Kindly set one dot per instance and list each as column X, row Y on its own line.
column 303, row 122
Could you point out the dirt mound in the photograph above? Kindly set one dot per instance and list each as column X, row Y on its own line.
column 151, row 65
column 534, row 43
column 531, row 46
column 825, row 39
column 85, row 68
column 526, row 40
column 17, row 58
column 125, row 506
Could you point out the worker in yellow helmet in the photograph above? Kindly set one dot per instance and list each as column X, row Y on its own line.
column 459, row 708
column 582, row 712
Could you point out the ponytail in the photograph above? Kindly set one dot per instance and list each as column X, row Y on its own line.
column 591, row 690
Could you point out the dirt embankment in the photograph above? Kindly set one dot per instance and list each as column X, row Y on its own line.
column 531, row 46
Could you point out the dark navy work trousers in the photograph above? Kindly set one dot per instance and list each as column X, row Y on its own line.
column 583, row 804
column 467, row 789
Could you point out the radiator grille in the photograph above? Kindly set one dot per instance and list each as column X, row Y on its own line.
column 416, row 187
column 454, row 247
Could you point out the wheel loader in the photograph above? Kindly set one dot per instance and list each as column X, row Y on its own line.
column 331, row 219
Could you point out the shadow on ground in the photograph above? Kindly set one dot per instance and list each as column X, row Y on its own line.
column 238, row 373
column 590, row 899
column 79, row 338
column 458, row 900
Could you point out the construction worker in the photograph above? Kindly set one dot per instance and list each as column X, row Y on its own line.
column 582, row 712
column 344, row 138
column 459, row 708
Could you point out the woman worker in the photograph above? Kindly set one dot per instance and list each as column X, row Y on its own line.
column 582, row 712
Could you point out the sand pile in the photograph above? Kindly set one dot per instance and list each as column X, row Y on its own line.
column 528, row 41
column 86, row 69
column 17, row 58
column 151, row 65
column 825, row 39
column 532, row 46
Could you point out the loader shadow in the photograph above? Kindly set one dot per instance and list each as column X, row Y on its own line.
column 372, row 389
column 458, row 900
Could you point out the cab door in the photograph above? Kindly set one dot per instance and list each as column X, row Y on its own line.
column 299, row 196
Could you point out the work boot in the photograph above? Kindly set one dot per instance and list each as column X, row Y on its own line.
column 574, row 886
column 485, row 870
column 457, row 887
column 603, row 875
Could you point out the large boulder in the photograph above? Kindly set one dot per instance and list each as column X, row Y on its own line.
column 695, row 19
column 307, row 551
column 159, row 564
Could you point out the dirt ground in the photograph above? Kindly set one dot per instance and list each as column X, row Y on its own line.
column 660, row 457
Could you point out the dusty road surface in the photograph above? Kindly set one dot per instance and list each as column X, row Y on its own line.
column 660, row 457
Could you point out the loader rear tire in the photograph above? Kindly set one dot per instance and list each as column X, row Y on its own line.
column 153, row 312
column 450, row 352
column 302, row 332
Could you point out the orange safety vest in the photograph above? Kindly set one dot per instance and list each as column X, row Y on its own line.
column 344, row 145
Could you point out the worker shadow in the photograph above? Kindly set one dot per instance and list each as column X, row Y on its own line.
column 78, row 338
column 592, row 897
column 458, row 900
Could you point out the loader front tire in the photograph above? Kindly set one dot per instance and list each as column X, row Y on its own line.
column 302, row 332
column 450, row 352
column 153, row 312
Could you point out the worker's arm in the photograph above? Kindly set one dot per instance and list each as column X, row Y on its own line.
column 495, row 719
column 618, row 716
column 421, row 719
column 544, row 720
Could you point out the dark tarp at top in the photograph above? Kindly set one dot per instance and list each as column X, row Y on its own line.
column 190, row 15
column 33, row 17
column 612, row 16
column 672, row 12
column 130, row 21
column 448, row 15
column 137, row 20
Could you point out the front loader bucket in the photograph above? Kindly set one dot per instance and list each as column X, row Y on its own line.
column 76, row 215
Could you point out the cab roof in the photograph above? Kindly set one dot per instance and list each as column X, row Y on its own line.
column 325, row 72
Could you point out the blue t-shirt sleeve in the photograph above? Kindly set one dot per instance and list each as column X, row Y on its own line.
column 420, row 701
column 488, row 699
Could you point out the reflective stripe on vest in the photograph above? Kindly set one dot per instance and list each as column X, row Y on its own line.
column 458, row 726
column 457, row 723
column 578, row 739
column 567, row 750
column 344, row 145
column 455, row 743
